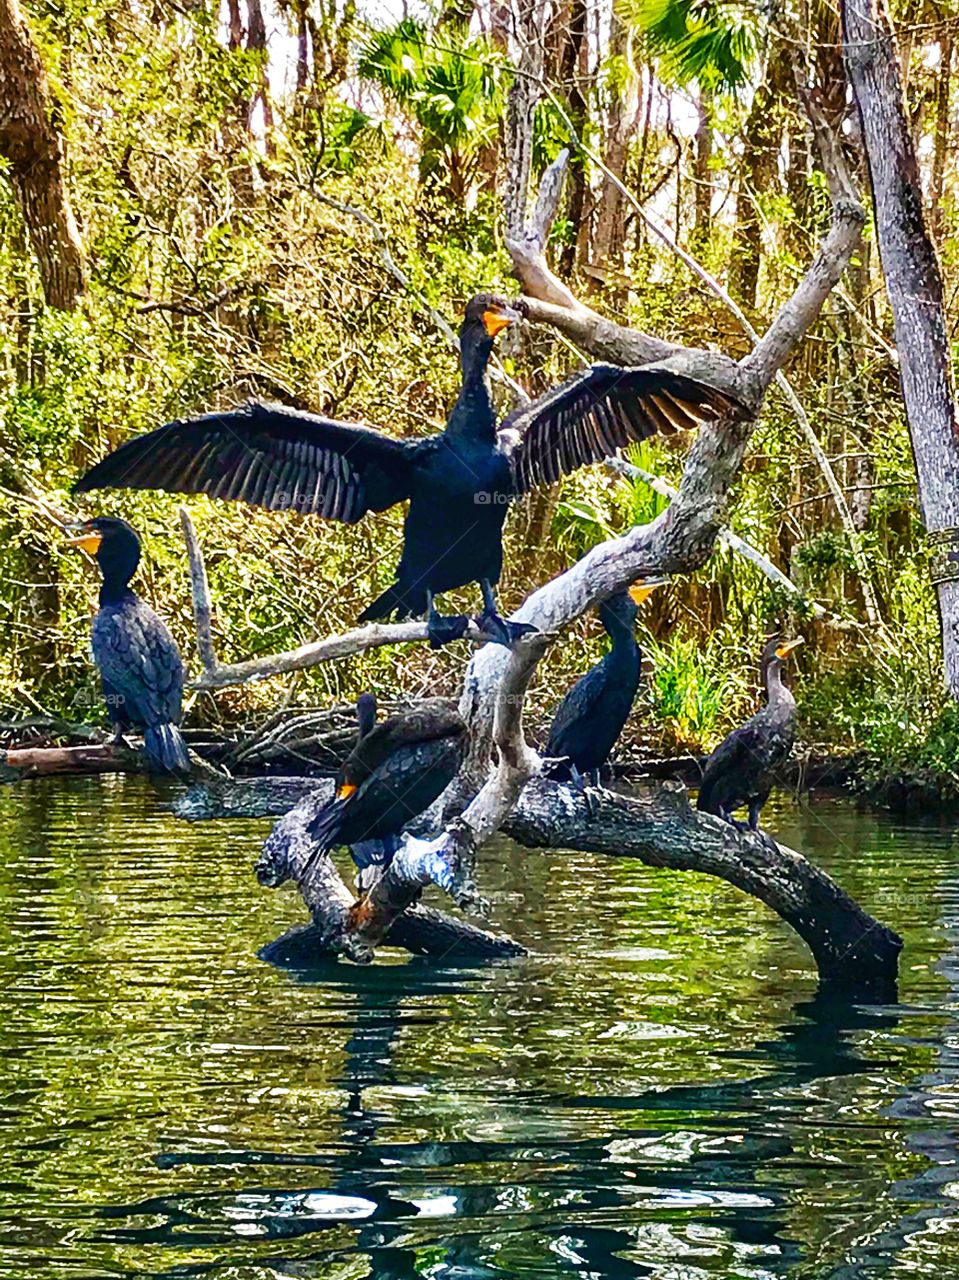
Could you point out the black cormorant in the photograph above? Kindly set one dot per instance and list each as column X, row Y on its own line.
column 587, row 723
column 742, row 769
column 459, row 483
column 139, row 663
column 395, row 771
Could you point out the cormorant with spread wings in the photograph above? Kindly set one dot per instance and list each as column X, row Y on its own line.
column 459, row 483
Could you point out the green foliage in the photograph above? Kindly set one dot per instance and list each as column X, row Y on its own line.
column 715, row 44
column 695, row 693
column 453, row 86
column 217, row 274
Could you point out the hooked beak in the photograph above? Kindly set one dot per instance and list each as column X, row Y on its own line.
column 642, row 590
column 786, row 649
column 87, row 540
column 494, row 321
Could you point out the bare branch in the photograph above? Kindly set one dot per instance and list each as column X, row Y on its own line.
column 373, row 636
column 200, row 591
column 764, row 364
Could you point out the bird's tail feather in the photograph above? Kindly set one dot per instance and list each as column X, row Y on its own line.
column 165, row 749
column 325, row 827
column 395, row 602
column 704, row 801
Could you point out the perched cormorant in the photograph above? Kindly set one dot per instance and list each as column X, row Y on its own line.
column 587, row 723
column 395, row 771
column 459, row 482
column 139, row 663
column 742, row 769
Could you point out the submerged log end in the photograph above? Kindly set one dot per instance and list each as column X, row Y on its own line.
column 421, row 931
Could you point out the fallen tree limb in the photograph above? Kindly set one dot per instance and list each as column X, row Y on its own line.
column 658, row 826
column 848, row 945
column 655, row 824
column 35, row 762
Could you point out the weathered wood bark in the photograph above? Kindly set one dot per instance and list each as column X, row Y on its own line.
column 655, row 824
column 34, row 762
column 334, row 931
column 914, row 285
column 30, row 143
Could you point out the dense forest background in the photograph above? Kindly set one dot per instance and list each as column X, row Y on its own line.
column 286, row 204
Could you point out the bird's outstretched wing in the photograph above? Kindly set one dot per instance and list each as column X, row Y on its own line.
column 600, row 410
column 269, row 456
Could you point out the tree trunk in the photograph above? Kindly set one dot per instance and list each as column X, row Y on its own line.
column 914, row 285
column 30, row 143
column 528, row 21
column 762, row 138
column 621, row 122
column 703, row 192
column 571, row 71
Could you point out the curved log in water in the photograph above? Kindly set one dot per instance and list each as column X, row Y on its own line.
column 656, row 824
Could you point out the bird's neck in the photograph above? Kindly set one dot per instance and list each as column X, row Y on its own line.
column 621, row 633
column 778, row 693
column 113, row 590
column 473, row 413
column 117, row 567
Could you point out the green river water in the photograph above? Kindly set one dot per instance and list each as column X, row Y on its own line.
column 657, row 1091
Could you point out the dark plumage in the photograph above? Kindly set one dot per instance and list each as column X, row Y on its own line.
column 742, row 769
column 139, row 663
column 395, row 771
column 458, row 483
column 587, row 723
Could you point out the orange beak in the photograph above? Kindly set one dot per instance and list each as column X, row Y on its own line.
column 88, row 541
column 346, row 790
column 786, row 649
column 641, row 591
column 495, row 321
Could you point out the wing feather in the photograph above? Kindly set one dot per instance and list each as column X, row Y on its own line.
column 599, row 411
column 268, row 456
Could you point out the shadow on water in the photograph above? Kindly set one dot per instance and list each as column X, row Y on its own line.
column 657, row 1091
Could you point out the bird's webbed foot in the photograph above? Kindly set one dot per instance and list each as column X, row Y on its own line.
column 734, row 822
column 443, row 630
column 588, row 790
column 500, row 631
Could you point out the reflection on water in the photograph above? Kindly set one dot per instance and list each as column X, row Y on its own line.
column 656, row 1092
